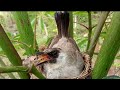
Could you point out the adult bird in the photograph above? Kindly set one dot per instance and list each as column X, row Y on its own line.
column 62, row 59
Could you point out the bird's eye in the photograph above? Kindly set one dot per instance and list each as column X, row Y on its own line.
column 54, row 53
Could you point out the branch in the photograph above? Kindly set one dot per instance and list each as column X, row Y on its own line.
column 82, row 25
column 97, row 33
column 33, row 70
column 9, row 74
column 21, row 43
column 89, row 30
column 9, row 69
column 37, row 73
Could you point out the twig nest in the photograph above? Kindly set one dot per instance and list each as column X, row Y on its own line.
column 86, row 73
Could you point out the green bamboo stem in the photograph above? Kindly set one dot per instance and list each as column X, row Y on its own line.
column 109, row 49
column 71, row 24
column 8, row 69
column 10, row 51
column 37, row 73
column 25, row 30
column 9, row 74
column 97, row 32
column 89, row 29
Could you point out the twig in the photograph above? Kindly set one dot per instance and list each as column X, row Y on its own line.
column 89, row 29
column 21, row 43
column 85, row 26
column 82, row 25
column 9, row 74
column 8, row 69
column 97, row 32
column 34, row 43
column 37, row 73
column 94, row 26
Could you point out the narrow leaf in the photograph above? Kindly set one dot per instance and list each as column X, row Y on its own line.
column 10, row 51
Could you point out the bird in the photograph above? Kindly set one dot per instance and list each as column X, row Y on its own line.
column 62, row 58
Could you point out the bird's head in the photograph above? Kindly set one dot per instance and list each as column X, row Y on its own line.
column 48, row 56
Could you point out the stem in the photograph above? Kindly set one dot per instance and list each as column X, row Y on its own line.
column 34, row 43
column 89, row 29
column 10, row 51
column 9, row 74
column 109, row 49
column 37, row 73
column 82, row 25
column 9, row 69
column 85, row 26
column 21, row 43
column 97, row 33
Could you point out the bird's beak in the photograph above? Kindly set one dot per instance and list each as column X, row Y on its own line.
column 43, row 58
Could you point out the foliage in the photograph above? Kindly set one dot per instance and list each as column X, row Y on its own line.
column 109, row 48
column 44, row 25
column 10, row 51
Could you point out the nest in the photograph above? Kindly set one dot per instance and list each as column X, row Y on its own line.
column 86, row 73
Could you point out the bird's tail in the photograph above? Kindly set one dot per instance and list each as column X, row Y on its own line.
column 58, row 22
column 62, row 21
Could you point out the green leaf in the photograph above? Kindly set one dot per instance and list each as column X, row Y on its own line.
column 82, row 42
column 10, row 51
column 41, row 24
column 25, row 30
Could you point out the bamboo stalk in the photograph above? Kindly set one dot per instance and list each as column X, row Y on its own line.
column 8, row 69
column 37, row 73
column 109, row 49
column 9, row 74
column 89, row 29
column 97, row 32
column 10, row 51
